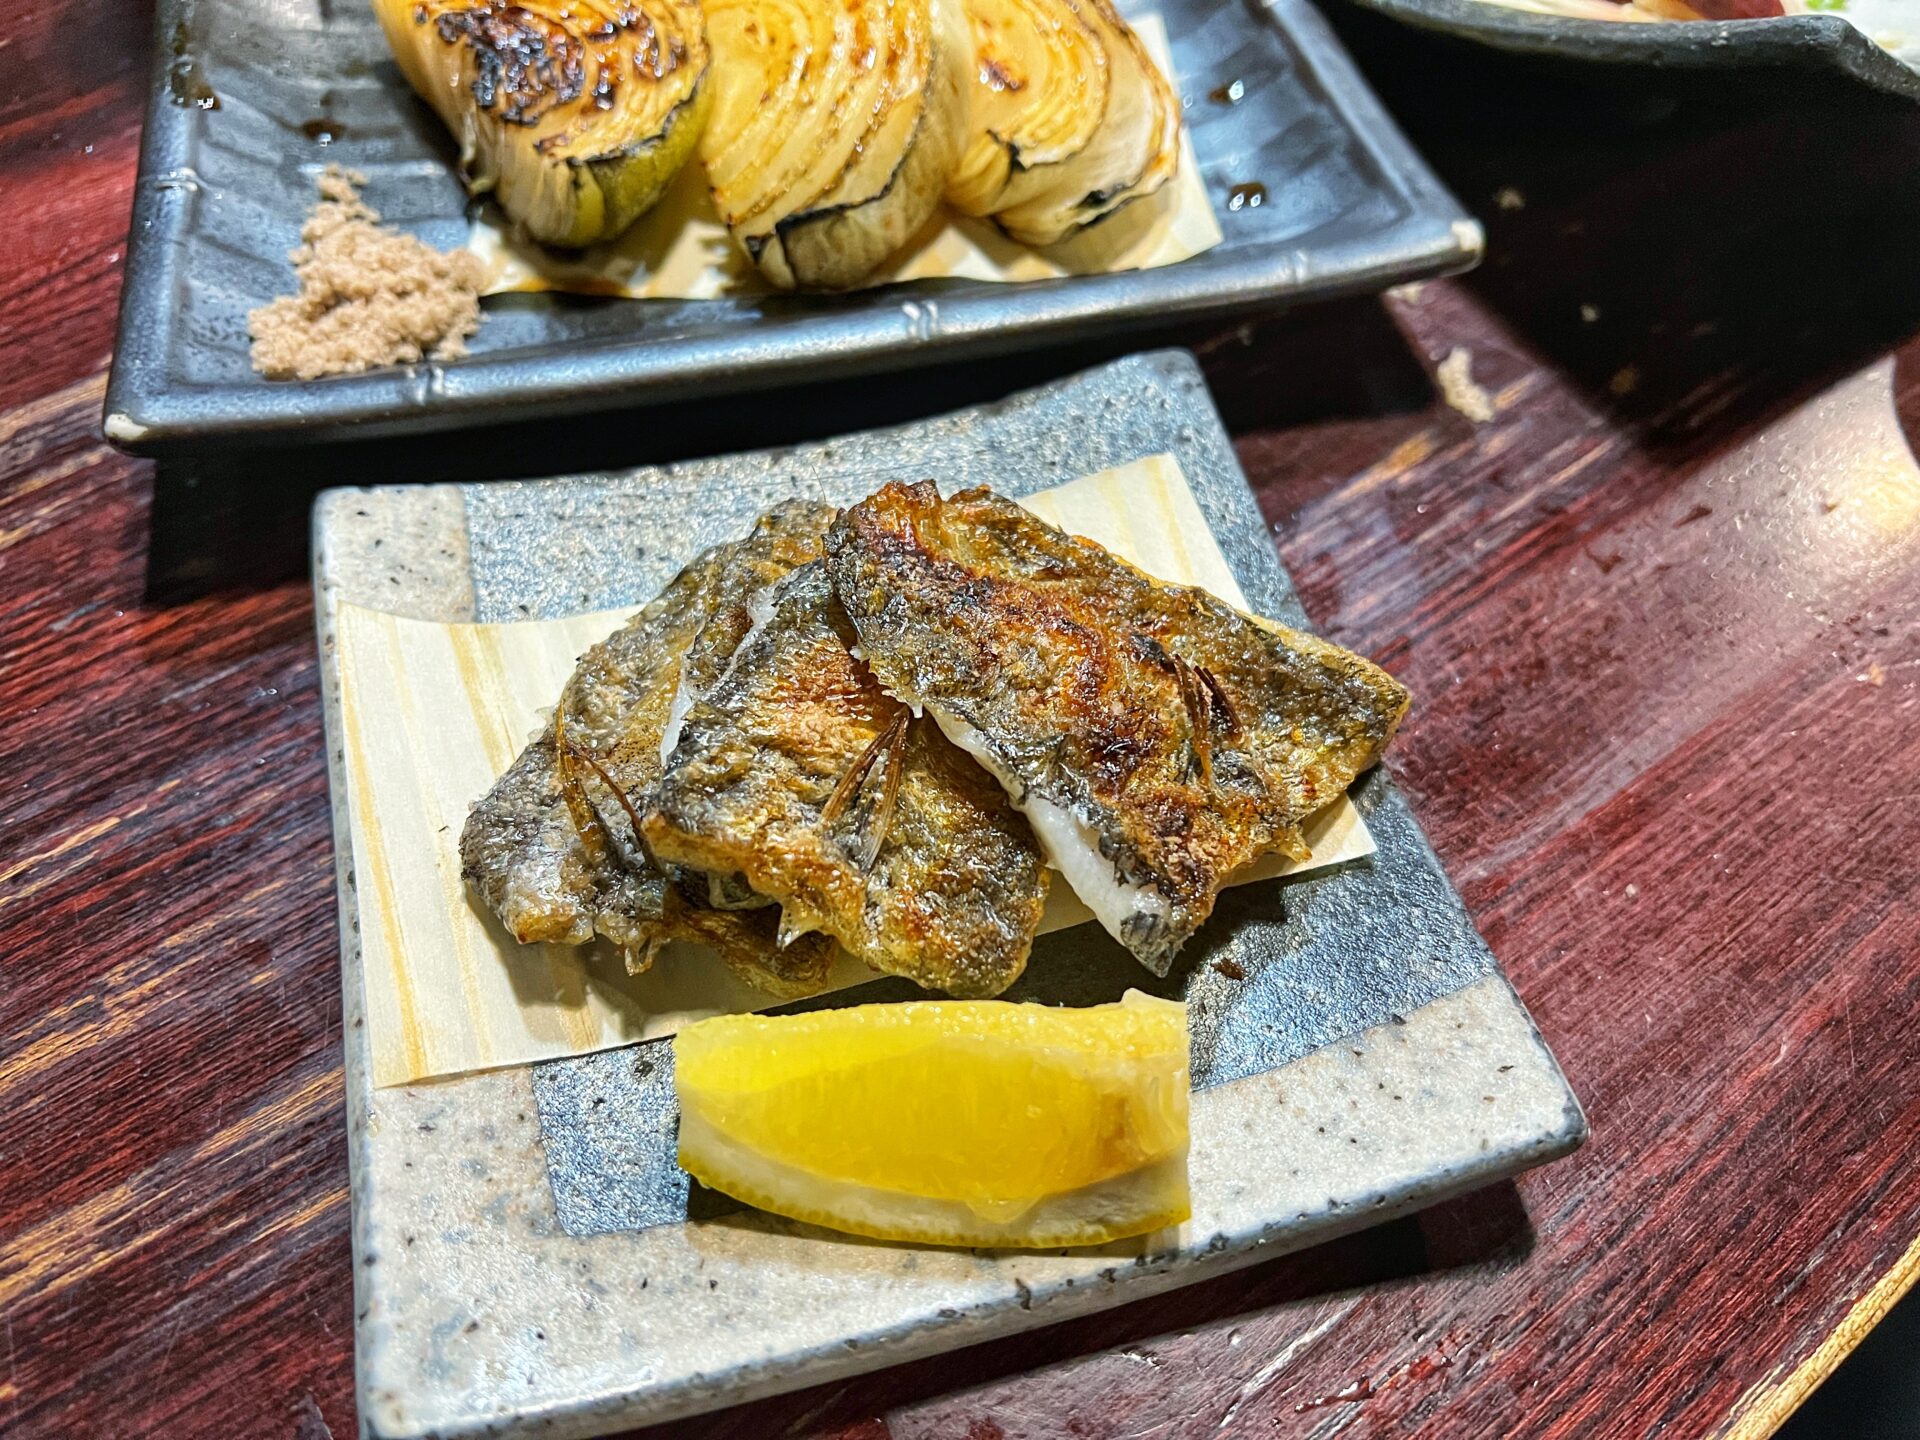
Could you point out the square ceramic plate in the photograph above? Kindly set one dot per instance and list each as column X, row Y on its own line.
column 525, row 1258
column 221, row 195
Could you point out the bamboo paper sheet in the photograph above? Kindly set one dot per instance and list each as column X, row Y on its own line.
column 434, row 713
column 679, row 250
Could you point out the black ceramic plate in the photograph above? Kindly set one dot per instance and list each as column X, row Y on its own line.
column 222, row 192
column 1814, row 47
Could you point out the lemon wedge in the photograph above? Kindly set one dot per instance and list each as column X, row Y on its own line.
column 947, row 1122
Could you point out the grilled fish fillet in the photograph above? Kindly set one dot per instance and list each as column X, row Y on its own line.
column 796, row 771
column 552, row 848
column 1157, row 738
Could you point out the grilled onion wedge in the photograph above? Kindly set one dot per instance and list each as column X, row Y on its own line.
column 1070, row 118
column 835, row 124
column 574, row 113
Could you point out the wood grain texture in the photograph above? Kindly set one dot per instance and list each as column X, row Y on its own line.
column 1649, row 587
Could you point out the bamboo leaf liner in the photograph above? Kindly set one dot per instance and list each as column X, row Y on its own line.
column 433, row 713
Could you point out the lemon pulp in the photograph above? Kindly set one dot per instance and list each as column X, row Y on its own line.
column 946, row 1121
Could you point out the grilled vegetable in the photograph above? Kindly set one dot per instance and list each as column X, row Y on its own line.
column 574, row 113
column 834, row 127
column 1071, row 118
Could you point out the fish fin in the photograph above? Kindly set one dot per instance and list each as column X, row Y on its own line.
column 888, row 749
column 881, row 821
column 639, row 958
column 795, row 925
column 1197, row 700
column 574, row 752
column 586, row 819
column 1222, row 704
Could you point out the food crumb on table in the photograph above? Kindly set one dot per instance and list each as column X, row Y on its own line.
column 1458, row 388
column 368, row 295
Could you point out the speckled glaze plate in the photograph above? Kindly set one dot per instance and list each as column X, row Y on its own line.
column 529, row 1258
column 221, row 195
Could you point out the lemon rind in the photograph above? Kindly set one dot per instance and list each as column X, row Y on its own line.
column 1141, row 1201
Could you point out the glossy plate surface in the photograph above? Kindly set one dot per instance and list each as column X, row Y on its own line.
column 222, row 192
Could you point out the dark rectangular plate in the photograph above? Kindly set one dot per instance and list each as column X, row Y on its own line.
column 222, row 192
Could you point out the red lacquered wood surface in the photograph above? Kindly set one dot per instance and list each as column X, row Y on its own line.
column 1661, row 614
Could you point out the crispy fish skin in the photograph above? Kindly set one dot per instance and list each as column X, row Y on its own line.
column 617, row 702
column 1157, row 738
column 748, row 943
column 522, row 852
column 797, row 771
column 550, row 849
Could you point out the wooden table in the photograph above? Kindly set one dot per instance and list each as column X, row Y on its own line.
column 1661, row 614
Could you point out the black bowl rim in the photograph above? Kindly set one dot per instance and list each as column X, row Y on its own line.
column 1820, row 42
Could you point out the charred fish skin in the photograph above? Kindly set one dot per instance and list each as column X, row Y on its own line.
column 1157, row 738
column 798, row 772
column 748, row 943
column 551, row 849
column 618, row 701
column 521, row 851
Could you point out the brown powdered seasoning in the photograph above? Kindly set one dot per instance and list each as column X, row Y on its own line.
column 368, row 295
